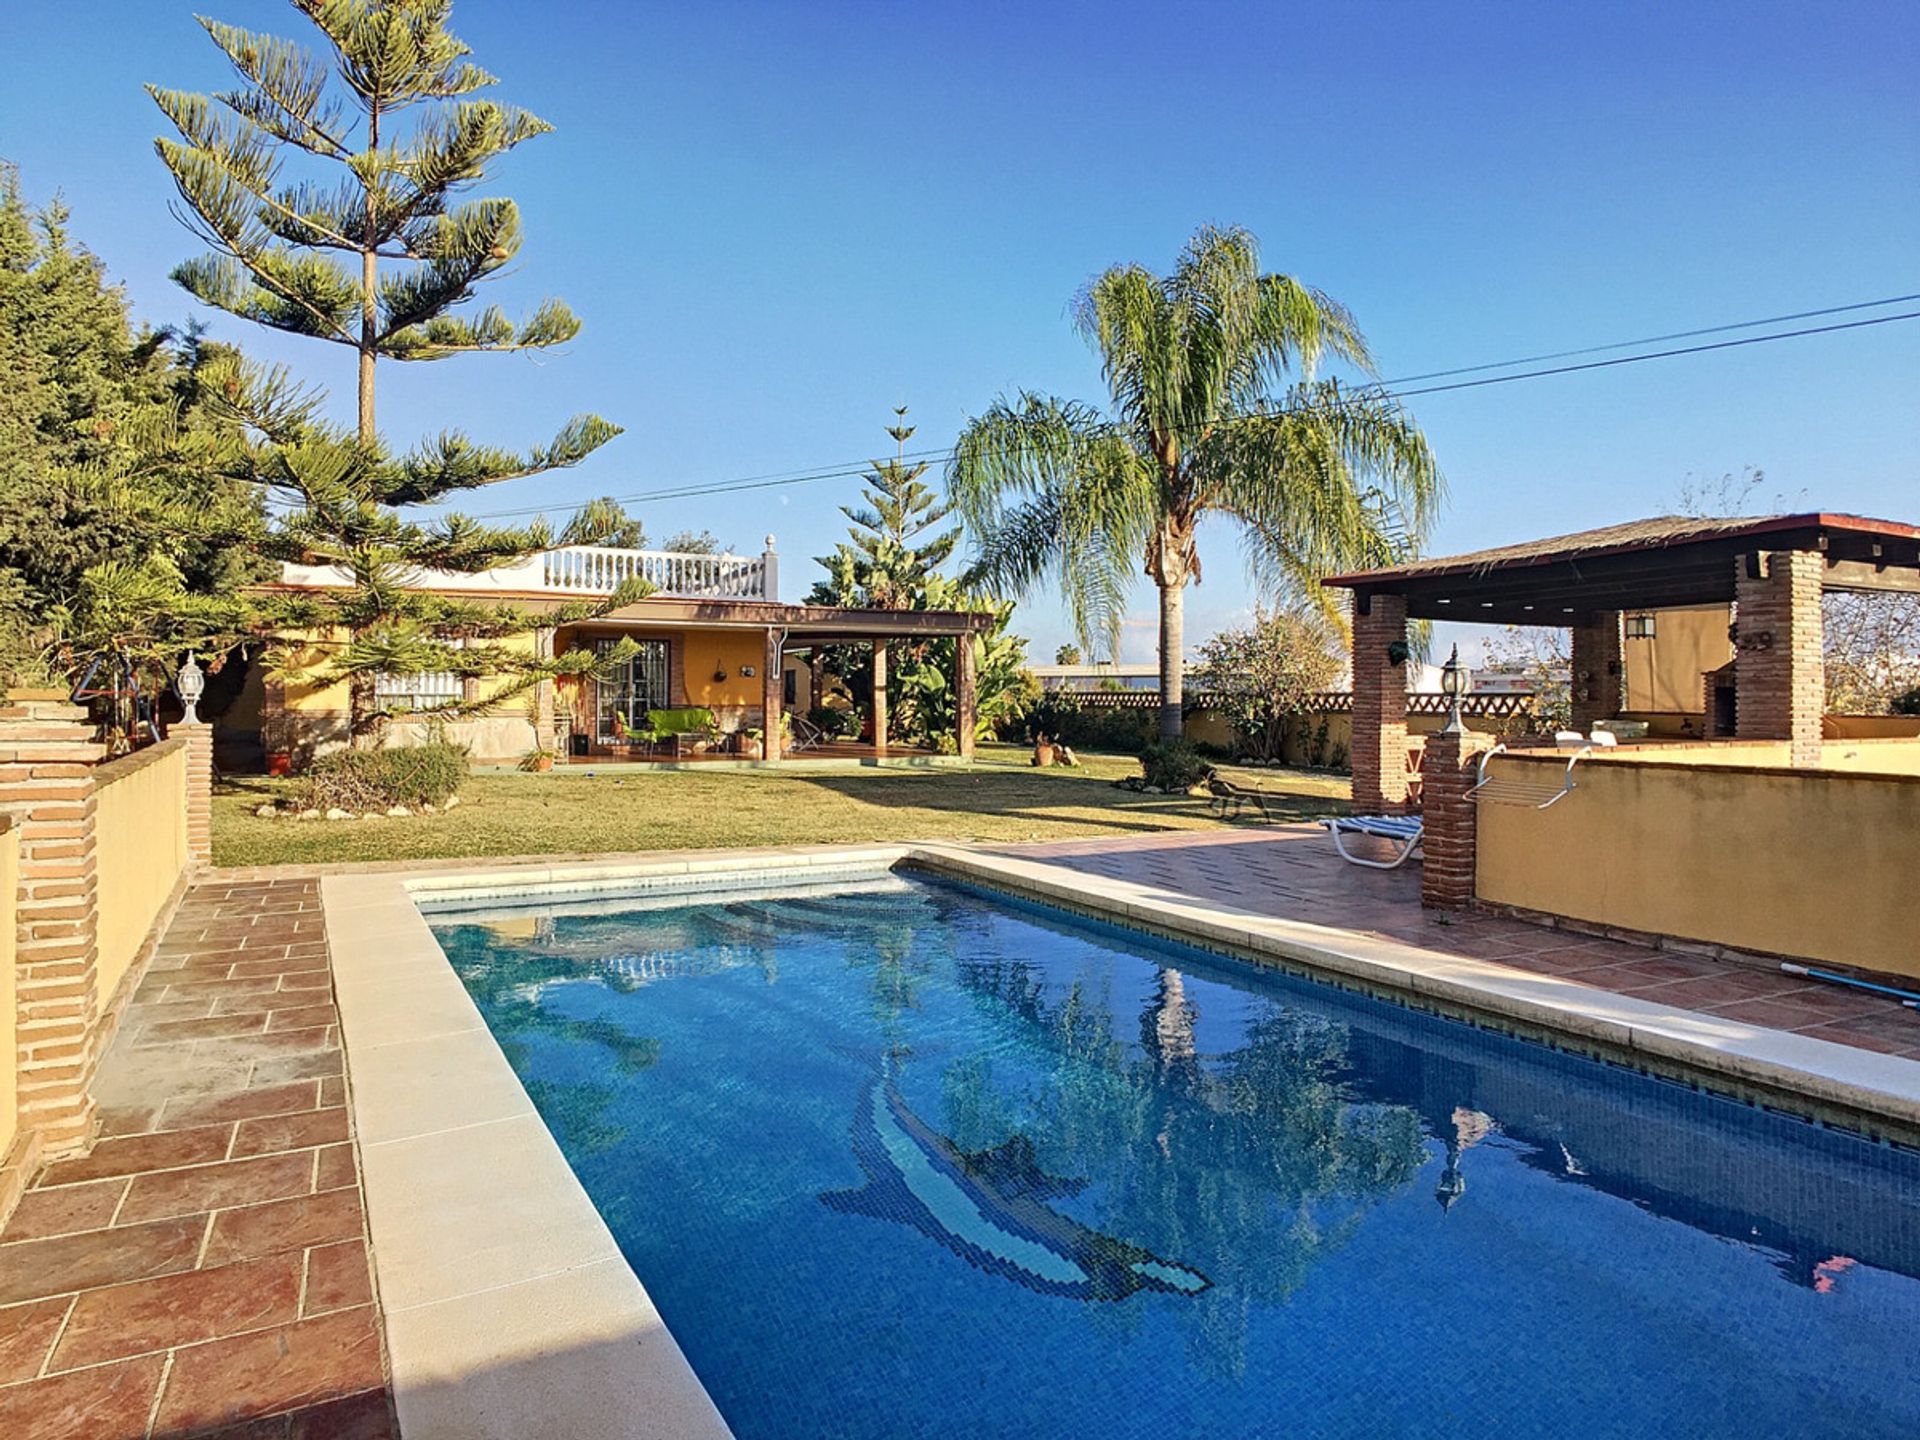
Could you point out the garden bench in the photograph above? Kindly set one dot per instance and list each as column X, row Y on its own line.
column 677, row 728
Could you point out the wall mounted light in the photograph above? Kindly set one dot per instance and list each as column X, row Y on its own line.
column 1640, row 627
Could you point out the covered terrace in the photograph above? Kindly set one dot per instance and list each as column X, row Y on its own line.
column 1766, row 573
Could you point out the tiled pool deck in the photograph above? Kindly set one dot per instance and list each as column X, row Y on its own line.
column 205, row 1270
column 1292, row 871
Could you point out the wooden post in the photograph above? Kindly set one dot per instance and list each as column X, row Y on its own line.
column 879, row 697
column 771, row 696
column 965, row 694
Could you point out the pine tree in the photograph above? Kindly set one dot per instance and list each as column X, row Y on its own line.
column 892, row 561
column 892, row 555
column 119, row 535
column 375, row 257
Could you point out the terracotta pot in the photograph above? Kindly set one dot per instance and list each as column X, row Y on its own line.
column 543, row 764
column 1043, row 755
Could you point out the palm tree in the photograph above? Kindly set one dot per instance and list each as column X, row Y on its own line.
column 1321, row 477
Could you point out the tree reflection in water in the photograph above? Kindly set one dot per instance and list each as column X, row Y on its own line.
column 1250, row 1164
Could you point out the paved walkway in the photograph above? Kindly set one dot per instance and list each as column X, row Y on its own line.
column 204, row 1270
column 1292, row 871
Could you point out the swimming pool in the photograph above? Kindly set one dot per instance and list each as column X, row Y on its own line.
column 902, row 1158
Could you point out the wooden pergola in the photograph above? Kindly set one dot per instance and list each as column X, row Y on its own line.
column 1772, row 569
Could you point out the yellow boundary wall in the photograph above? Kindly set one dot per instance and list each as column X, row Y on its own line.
column 140, row 830
column 9, row 1072
column 1817, row 864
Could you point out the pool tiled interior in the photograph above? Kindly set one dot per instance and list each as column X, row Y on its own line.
column 204, row 1270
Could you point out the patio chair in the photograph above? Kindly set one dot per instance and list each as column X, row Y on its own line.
column 1405, row 831
column 1229, row 799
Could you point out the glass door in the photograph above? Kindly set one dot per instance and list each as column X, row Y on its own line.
column 631, row 690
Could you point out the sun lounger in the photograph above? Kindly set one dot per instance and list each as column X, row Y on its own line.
column 1401, row 830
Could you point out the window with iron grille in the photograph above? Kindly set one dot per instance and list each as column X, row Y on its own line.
column 416, row 692
column 632, row 689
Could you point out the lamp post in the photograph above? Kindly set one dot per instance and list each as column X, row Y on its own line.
column 190, row 684
column 1455, row 682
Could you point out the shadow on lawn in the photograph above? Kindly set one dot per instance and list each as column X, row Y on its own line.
column 1081, row 801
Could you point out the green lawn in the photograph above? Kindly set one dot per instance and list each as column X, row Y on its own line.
column 629, row 807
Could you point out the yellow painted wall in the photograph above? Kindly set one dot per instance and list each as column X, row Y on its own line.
column 140, row 830
column 1664, row 672
column 703, row 653
column 9, row 1055
column 1813, row 864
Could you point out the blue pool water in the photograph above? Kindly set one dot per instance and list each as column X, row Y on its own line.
column 901, row 1159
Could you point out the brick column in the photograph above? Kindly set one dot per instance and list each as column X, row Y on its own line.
column 772, row 697
column 1597, row 674
column 879, row 697
column 1450, row 838
column 1780, row 676
column 965, row 694
column 47, row 755
column 1379, row 751
column 199, row 738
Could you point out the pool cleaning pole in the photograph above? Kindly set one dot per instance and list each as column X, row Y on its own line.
column 1908, row 998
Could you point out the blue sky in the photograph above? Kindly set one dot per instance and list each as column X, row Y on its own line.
column 779, row 220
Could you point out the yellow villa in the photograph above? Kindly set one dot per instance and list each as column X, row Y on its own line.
column 713, row 636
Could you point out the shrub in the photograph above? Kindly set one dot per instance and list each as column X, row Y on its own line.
column 836, row 723
column 1061, row 717
column 1907, row 704
column 1172, row 764
column 378, row 779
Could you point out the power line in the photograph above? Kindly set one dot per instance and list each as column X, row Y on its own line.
column 1376, row 390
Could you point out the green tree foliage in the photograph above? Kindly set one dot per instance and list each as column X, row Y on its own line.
column 604, row 521
column 895, row 544
column 1262, row 675
column 119, row 531
column 891, row 561
column 375, row 251
column 1320, row 477
column 1067, row 655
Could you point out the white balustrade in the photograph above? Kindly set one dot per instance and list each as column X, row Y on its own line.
column 593, row 570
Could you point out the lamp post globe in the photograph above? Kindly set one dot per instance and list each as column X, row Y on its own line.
column 1455, row 682
column 190, row 684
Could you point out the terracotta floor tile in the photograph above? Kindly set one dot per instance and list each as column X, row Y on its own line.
column 317, row 980
column 285, row 1042
column 26, row 1335
column 1717, row 990
column 280, row 964
column 335, row 1168
column 1842, row 1033
column 243, row 1104
column 301, row 1017
column 224, row 1186
column 64, row 1209
column 213, row 1025
column 240, row 985
column 225, row 1382
column 120, row 1120
column 284, row 1225
column 34, row 1269
column 180, row 1310
column 111, row 1402
column 338, row 1278
column 290, row 1132
column 319, row 1064
column 136, row 1153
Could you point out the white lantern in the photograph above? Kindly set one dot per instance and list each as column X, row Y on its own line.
column 190, row 684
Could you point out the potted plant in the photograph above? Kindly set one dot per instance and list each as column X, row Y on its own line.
column 537, row 761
